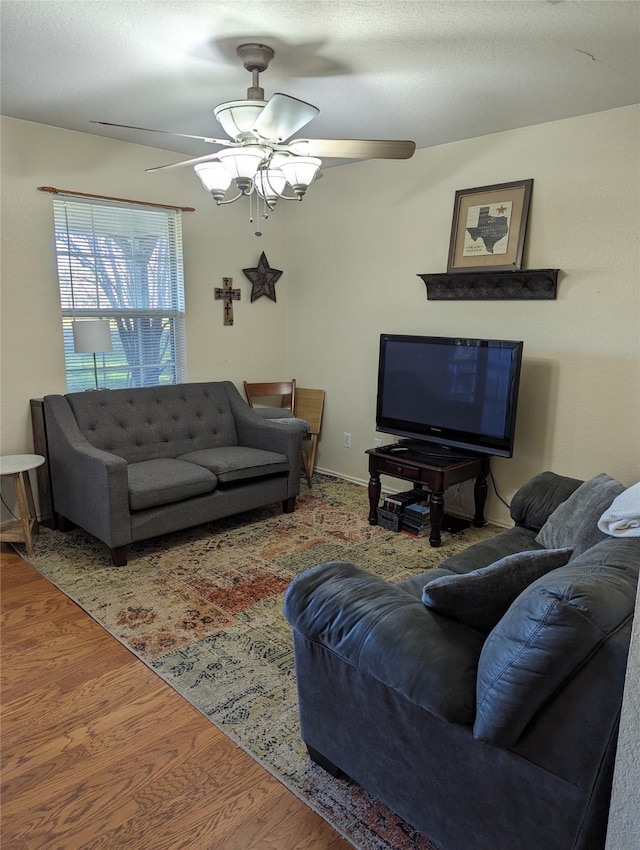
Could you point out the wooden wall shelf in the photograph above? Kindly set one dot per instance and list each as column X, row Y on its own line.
column 540, row 284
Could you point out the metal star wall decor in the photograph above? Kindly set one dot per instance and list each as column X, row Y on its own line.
column 263, row 279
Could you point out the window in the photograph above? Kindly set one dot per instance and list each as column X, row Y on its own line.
column 122, row 262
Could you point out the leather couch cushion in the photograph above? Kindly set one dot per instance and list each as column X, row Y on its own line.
column 536, row 500
column 161, row 481
column 237, row 463
column 481, row 597
column 549, row 632
column 386, row 633
column 575, row 522
column 485, row 552
column 415, row 584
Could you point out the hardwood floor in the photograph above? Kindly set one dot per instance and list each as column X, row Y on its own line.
column 98, row 752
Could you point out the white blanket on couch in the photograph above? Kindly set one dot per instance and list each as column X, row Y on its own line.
column 622, row 517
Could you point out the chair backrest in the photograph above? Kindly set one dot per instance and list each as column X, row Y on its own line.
column 309, row 405
column 266, row 393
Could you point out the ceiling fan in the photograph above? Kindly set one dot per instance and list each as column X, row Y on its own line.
column 260, row 153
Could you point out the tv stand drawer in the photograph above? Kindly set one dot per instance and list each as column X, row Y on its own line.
column 391, row 466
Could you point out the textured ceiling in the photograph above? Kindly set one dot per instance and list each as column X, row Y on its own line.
column 433, row 72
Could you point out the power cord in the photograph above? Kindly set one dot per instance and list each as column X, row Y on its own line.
column 458, row 496
column 493, row 481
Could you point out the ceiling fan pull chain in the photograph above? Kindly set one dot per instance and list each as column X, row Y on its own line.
column 257, row 232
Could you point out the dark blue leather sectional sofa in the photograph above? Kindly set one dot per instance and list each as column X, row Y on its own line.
column 480, row 701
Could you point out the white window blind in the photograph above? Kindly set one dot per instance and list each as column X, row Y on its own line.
column 122, row 262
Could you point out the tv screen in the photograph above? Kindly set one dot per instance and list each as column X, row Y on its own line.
column 449, row 391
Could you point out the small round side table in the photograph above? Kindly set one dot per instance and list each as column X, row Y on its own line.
column 17, row 468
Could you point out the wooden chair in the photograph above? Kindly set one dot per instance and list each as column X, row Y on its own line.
column 309, row 405
column 266, row 393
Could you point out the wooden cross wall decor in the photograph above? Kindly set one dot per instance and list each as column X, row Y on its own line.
column 228, row 295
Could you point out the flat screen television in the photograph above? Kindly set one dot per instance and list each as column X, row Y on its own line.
column 449, row 392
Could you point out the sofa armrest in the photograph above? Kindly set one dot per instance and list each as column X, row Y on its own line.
column 390, row 635
column 90, row 486
column 536, row 500
column 260, row 433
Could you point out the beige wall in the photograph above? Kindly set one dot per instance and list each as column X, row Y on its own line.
column 217, row 243
column 350, row 255
column 372, row 227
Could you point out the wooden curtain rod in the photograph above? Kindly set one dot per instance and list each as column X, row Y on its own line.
column 54, row 191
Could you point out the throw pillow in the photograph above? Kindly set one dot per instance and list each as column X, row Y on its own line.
column 481, row 597
column 575, row 522
column 544, row 638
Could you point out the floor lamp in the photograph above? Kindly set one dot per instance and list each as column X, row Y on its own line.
column 92, row 337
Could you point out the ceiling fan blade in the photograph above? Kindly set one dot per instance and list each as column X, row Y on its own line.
column 194, row 161
column 353, row 148
column 283, row 116
column 165, row 132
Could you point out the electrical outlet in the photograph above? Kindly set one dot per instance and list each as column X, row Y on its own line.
column 377, row 442
column 346, row 440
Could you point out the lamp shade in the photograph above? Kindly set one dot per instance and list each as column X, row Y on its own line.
column 239, row 116
column 243, row 162
column 270, row 183
column 300, row 170
column 213, row 176
column 92, row 336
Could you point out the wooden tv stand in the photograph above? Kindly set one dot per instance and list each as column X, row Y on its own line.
column 433, row 472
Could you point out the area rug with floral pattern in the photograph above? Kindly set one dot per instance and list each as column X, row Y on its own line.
column 203, row 609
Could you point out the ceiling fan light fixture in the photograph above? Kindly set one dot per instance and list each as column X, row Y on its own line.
column 270, row 184
column 237, row 117
column 300, row 172
column 214, row 177
column 243, row 162
column 264, row 159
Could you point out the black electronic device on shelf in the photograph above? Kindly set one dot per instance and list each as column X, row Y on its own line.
column 449, row 395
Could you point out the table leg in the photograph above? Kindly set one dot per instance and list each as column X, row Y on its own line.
column 375, row 488
column 35, row 529
column 480, row 499
column 25, row 517
column 436, row 511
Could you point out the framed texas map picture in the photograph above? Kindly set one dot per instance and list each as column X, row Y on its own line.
column 489, row 226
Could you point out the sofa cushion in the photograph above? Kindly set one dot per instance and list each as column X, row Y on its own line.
column 144, row 423
column 237, row 463
column 535, row 501
column 612, row 552
column 161, row 481
column 485, row 552
column 575, row 522
column 481, row 597
column 415, row 584
column 547, row 634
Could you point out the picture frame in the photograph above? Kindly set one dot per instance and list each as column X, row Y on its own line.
column 489, row 227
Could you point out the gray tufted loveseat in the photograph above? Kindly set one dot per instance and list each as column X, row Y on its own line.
column 126, row 465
